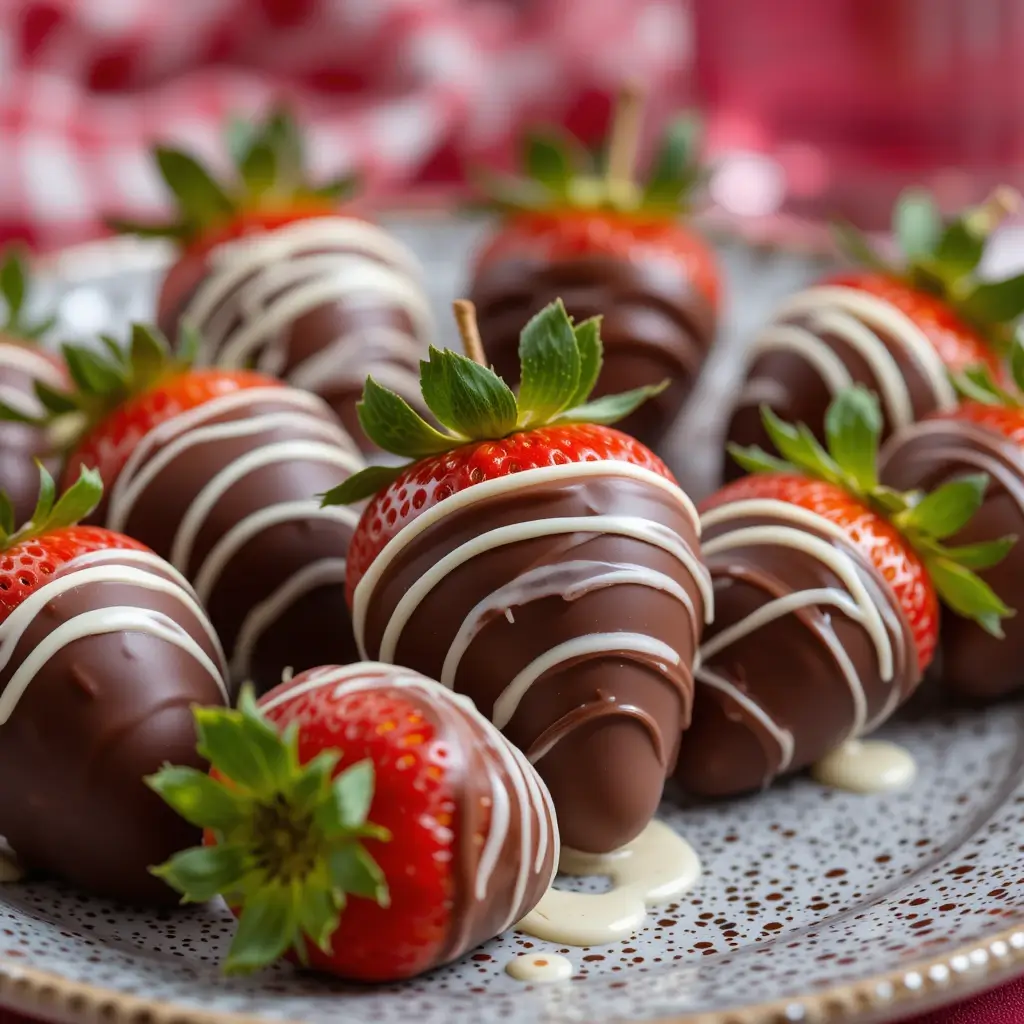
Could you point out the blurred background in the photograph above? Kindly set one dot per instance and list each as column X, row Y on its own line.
column 813, row 107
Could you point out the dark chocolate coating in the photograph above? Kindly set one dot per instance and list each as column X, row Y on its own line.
column 973, row 663
column 20, row 445
column 103, row 712
column 794, row 389
column 314, row 330
column 654, row 325
column 613, row 718
column 478, row 760
column 785, row 667
column 316, row 627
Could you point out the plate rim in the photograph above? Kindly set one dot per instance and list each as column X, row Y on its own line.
column 916, row 987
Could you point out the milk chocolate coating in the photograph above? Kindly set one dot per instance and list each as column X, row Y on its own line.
column 603, row 729
column 313, row 331
column 794, row 389
column 928, row 454
column 478, row 761
column 103, row 712
column 785, row 668
column 316, row 627
column 655, row 324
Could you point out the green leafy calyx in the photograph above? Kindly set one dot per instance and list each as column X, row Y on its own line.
column 853, row 429
column 270, row 175
column 977, row 384
column 51, row 513
column 560, row 364
column 560, row 173
column 942, row 257
column 14, row 291
column 289, row 848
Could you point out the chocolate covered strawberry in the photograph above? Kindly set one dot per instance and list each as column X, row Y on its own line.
column 827, row 588
column 217, row 471
column 104, row 649
column 362, row 820
column 985, row 434
column 276, row 278
column 540, row 561
column 605, row 243
column 23, row 364
column 900, row 330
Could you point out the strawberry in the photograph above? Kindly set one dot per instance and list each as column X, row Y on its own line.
column 270, row 190
column 901, row 534
column 606, row 244
column 334, row 817
column 487, row 431
column 29, row 555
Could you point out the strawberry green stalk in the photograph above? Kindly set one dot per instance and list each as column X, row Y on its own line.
column 50, row 512
column 853, row 428
column 560, row 363
column 288, row 847
column 13, row 291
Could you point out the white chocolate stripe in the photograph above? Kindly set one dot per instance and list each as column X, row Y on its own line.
column 273, row 454
column 783, row 737
column 621, row 644
column 27, row 360
column 252, row 525
column 348, row 358
column 127, row 496
column 635, row 527
column 501, row 486
column 95, row 623
column 568, row 580
column 879, row 314
column 788, row 338
column 325, row 572
column 21, row 400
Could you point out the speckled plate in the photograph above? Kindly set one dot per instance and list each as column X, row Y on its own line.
column 814, row 905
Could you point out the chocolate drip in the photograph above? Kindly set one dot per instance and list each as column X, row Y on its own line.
column 98, row 715
column 777, row 698
column 842, row 336
column 596, row 689
column 654, row 324
column 929, row 454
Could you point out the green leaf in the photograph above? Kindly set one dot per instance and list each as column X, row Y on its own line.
column 469, row 399
column 56, row 402
column 757, row 460
column 612, row 408
column 335, row 191
column 354, row 871
column 12, row 285
column 319, row 911
column 853, row 427
column 976, row 383
column 203, row 872
column 675, row 162
column 948, row 508
column 179, row 230
column 799, row 446
column 312, row 789
column 983, row 555
column 392, row 424
column 997, row 302
column 281, row 132
column 7, row 523
column 47, row 496
column 959, row 251
column 199, row 197
column 588, row 343
column 352, row 793
column 968, row 594
column 91, row 373
column 266, row 929
column 200, row 799
column 76, row 502
column 1017, row 363
column 917, row 223
column 362, row 485
column 239, row 133
column 547, row 160
column 551, row 366
column 259, row 170
column 856, row 247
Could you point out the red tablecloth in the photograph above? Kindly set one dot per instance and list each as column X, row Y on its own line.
column 1002, row 1006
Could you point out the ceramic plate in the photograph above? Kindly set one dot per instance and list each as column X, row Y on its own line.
column 813, row 905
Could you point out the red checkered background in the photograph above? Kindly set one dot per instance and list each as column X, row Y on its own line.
column 407, row 91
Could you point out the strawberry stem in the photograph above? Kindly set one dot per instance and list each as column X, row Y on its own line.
column 469, row 331
column 624, row 142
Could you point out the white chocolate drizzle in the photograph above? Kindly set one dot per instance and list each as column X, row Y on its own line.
column 866, row 766
column 532, row 796
column 539, row 967
column 33, row 364
column 657, row 866
column 258, row 286
column 91, row 571
column 855, row 316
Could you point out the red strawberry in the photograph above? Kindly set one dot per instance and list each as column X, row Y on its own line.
column 512, row 438
column 901, row 534
column 608, row 245
column 289, row 831
column 51, row 538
